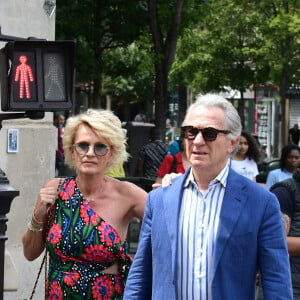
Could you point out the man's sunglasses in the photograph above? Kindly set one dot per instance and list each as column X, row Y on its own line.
column 83, row 148
column 209, row 134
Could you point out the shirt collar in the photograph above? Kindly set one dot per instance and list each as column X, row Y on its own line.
column 221, row 177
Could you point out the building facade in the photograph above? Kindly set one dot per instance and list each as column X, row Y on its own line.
column 27, row 150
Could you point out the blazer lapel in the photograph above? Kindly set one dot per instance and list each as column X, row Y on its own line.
column 172, row 202
column 232, row 205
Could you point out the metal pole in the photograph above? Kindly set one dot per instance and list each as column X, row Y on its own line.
column 7, row 193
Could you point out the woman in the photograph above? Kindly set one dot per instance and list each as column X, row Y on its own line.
column 247, row 157
column 177, row 163
column 289, row 162
column 84, row 219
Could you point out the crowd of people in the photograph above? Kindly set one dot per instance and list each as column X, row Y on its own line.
column 208, row 229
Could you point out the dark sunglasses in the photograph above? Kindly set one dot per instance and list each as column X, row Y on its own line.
column 83, row 148
column 209, row 133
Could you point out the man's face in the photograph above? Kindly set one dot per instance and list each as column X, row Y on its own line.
column 61, row 120
column 208, row 156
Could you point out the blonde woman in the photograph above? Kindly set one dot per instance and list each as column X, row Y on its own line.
column 83, row 220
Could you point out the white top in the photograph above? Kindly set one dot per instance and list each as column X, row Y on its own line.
column 246, row 167
column 198, row 226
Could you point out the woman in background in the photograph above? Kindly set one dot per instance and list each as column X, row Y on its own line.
column 173, row 163
column 289, row 162
column 247, row 157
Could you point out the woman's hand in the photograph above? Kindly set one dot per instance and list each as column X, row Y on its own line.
column 46, row 199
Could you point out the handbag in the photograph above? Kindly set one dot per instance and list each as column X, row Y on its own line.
column 45, row 258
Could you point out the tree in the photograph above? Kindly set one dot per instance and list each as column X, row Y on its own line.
column 98, row 26
column 129, row 72
column 281, row 33
column 164, row 40
column 224, row 50
column 240, row 43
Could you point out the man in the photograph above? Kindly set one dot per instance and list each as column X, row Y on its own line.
column 140, row 117
column 151, row 156
column 59, row 121
column 294, row 135
column 288, row 194
column 207, row 234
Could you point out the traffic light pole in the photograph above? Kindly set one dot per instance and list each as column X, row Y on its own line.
column 34, row 115
column 7, row 192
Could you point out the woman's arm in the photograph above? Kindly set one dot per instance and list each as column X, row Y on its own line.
column 35, row 236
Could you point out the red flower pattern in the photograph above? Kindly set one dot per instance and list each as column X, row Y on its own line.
column 54, row 234
column 55, row 292
column 102, row 288
column 98, row 253
column 67, row 190
column 119, row 286
column 88, row 215
column 71, row 278
column 108, row 235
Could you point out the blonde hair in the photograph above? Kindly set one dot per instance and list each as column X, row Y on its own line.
column 105, row 124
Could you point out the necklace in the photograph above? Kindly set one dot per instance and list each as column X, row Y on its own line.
column 90, row 200
column 100, row 189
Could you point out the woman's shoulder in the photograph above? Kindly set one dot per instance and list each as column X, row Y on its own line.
column 123, row 186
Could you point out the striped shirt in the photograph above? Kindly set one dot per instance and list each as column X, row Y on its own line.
column 198, row 226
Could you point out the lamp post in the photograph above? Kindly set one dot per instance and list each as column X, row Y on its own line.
column 7, row 194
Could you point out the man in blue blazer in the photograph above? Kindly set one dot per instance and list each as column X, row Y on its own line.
column 208, row 234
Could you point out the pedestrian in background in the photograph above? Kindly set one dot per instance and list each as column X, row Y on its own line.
column 151, row 156
column 245, row 161
column 288, row 194
column 294, row 135
column 173, row 163
column 206, row 235
column 59, row 123
column 289, row 162
column 83, row 220
column 140, row 117
column 175, row 146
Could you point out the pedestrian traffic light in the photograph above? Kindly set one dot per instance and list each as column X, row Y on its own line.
column 38, row 75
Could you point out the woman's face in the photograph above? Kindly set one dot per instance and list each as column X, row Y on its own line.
column 90, row 163
column 243, row 146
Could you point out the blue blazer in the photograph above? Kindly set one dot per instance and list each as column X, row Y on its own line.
column 250, row 238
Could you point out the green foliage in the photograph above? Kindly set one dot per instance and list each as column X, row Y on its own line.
column 98, row 26
column 129, row 71
column 221, row 43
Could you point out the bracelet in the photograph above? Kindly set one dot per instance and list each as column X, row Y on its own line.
column 35, row 220
column 33, row 227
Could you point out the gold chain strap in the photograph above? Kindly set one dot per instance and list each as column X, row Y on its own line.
column 45, row 260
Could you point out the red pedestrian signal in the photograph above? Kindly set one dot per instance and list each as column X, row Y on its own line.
column 23, row 76
column 38, row 75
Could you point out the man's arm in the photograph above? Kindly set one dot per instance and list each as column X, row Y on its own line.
column 273, row 256
column 293, row 242
column 286, row 206
column 286, row 223
column 291, row 139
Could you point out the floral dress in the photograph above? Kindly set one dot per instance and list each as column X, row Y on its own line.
column 80, row 246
